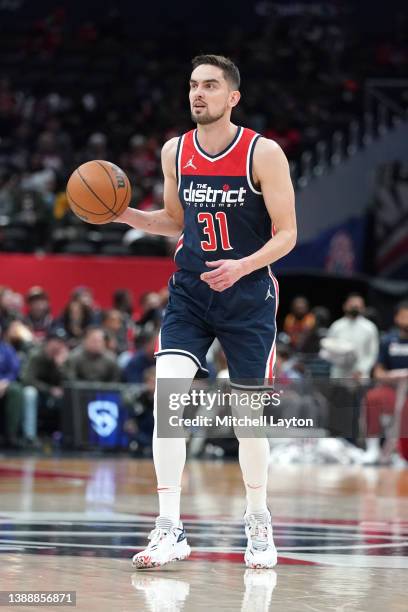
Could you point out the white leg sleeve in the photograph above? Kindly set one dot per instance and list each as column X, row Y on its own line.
column 169, row 454
column 253, row 459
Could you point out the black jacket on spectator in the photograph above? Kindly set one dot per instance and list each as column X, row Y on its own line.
column 42, row 372
column 92, row 367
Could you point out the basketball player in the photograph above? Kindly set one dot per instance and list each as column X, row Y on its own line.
column 229, row 198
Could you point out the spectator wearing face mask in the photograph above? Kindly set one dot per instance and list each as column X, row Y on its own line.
column 352, row 342
column 390, row 370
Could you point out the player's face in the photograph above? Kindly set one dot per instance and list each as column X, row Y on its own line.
column 211, row 96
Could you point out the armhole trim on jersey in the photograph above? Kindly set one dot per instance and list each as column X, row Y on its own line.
column 250, row 156
column 179, row 152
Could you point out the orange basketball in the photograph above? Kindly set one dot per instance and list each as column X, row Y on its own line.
column 98, row 191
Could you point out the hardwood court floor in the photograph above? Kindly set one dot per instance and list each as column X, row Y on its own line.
column 73, row 524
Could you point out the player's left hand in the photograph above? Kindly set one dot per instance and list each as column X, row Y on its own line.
column 226, row 272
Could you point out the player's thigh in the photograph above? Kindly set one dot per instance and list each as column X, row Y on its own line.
column 188, row 336
column 248, row 335
column 175, row 366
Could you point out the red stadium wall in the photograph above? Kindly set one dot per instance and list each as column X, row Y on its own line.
column 59, row 274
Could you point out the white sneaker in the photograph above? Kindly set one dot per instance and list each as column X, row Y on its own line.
column 260, row 551
column 167, row 543
column 371, row 457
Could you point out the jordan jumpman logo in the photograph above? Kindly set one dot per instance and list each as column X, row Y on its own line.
column 269, row 294
column 190, row 164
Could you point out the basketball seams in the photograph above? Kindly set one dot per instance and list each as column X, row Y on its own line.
column 85, row 209
column 110, row 178
column 95, row 194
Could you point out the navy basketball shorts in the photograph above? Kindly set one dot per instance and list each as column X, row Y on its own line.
column 243, row 318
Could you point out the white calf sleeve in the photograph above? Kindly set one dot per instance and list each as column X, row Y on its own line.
column 254, row 460
column 253, row 456
column 169, row 454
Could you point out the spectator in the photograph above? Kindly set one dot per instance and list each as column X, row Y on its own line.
column 43, row 378
column 123, row 301
column 17, row 305
column 114, row 324
column 11, row 398
column 309, row 339
column 310, row 342
column 75, row 318
column 21, row 338
column 353, row 342
column 91, row 361
column 9, row 182
column 140, row 424
column 97, row 148
column 31, row 213
column 8, row 311
column 286, row 365
column 142, row 359
column 38, row 318
column 151, row 311
column 85, row 296
column 164, row 297
column 34, row 121
column 298, row 320
column 390, row 369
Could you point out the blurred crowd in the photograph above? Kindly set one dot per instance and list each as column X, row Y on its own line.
column 40, row 355
column 96, row 90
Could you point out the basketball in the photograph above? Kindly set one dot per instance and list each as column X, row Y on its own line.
column 98, row 192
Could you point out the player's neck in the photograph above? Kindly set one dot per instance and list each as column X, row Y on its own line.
column 216, row 137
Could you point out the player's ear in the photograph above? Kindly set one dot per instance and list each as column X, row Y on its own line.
column 235, row 97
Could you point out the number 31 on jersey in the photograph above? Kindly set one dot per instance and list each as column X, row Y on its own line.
column 209, row 229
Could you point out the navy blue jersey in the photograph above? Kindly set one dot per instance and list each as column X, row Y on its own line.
column 393, row 352
column 225, row 216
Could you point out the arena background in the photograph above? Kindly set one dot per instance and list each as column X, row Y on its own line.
column 80, row 81
column 306, row 82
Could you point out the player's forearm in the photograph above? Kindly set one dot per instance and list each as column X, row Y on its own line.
column 278, row 246
column 157, row 222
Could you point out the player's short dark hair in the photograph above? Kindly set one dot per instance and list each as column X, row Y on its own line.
column 229, row 69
